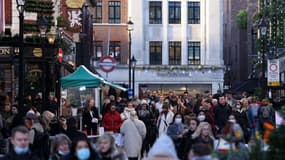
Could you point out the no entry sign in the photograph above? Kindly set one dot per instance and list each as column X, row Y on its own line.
column 107, row 64
column 273, row 78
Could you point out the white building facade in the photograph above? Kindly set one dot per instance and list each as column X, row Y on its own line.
column 178, row 45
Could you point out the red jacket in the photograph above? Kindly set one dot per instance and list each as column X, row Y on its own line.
column 112, row 121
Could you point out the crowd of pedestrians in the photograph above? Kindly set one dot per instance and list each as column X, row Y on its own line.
column 154, row 126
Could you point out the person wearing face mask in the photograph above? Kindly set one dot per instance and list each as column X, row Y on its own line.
column 175, row 131
column 240, row 113
column 233, row 133
column 61, row 147
column 20, row 141
column 81, row 149
column 201, row 116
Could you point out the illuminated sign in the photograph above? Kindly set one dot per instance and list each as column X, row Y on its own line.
column 74, row 3
column 5, row 51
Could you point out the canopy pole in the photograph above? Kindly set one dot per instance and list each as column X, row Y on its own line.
column 60, row 103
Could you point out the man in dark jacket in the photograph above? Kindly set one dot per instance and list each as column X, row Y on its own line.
column 72, row 131
column 51, row 104
column 222, row 113
column 20, row 141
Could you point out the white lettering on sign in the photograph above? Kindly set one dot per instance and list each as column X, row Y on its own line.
column 74, row 17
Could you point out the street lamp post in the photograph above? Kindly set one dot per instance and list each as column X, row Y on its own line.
column 133, row 62
column 43, row 24
column 263, row 30
column 20, row 8
column 52, row 37
column 130, row 29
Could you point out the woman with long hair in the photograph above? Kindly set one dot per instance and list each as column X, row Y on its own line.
column 240, row 111
column 176, row 130
column 187, row 137
column 204, row 134
column 107, row 150
column 60, row 147
column 232, row 132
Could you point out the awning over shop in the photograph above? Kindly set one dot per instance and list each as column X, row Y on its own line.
column 83, row 77
column 115, row 86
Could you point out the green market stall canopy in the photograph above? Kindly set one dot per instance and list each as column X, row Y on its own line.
column 83, row 77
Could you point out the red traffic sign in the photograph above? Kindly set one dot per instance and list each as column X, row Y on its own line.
column 107, row 64
column 273, row 67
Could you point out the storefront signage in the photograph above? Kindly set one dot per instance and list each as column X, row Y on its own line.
column 5, row 51
column 273, row 72
column 173, row 74
column 37, row 52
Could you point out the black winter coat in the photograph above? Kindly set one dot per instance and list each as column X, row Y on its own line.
column 87, row 118
column 241, row 118
column 13, row 156
column 56, row 156
column 222, row 114
column 188, row 141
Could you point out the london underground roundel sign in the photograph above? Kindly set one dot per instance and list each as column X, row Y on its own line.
column 107, row 64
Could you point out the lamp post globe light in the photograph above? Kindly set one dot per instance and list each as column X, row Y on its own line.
column 130, row 29
column 133, row 62
column 43, row 25
column 263, row 30
column 21, row 9
column 51, row 36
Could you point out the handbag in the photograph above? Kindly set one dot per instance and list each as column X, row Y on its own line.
column 119, row 139
column 224, row 146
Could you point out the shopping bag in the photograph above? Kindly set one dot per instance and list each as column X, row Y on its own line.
column 224, row 146
column 119, row 139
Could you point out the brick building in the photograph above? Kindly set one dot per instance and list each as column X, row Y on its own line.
column 110, row 30
column 239, row 44
column 5, row 14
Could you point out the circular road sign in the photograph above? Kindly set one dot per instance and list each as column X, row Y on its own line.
column 273, row 67
column 107, row 64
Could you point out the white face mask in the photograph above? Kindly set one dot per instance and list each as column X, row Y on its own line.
column 201, row 118
column 238, row 106
column 63, row 153
column 178, row 120
column 232, row 120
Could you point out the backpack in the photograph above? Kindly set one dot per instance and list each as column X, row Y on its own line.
column 265, row 112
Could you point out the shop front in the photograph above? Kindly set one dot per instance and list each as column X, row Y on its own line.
column 40, row 72
column 206, row 79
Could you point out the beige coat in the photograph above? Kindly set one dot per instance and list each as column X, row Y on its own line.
column 134, row 132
